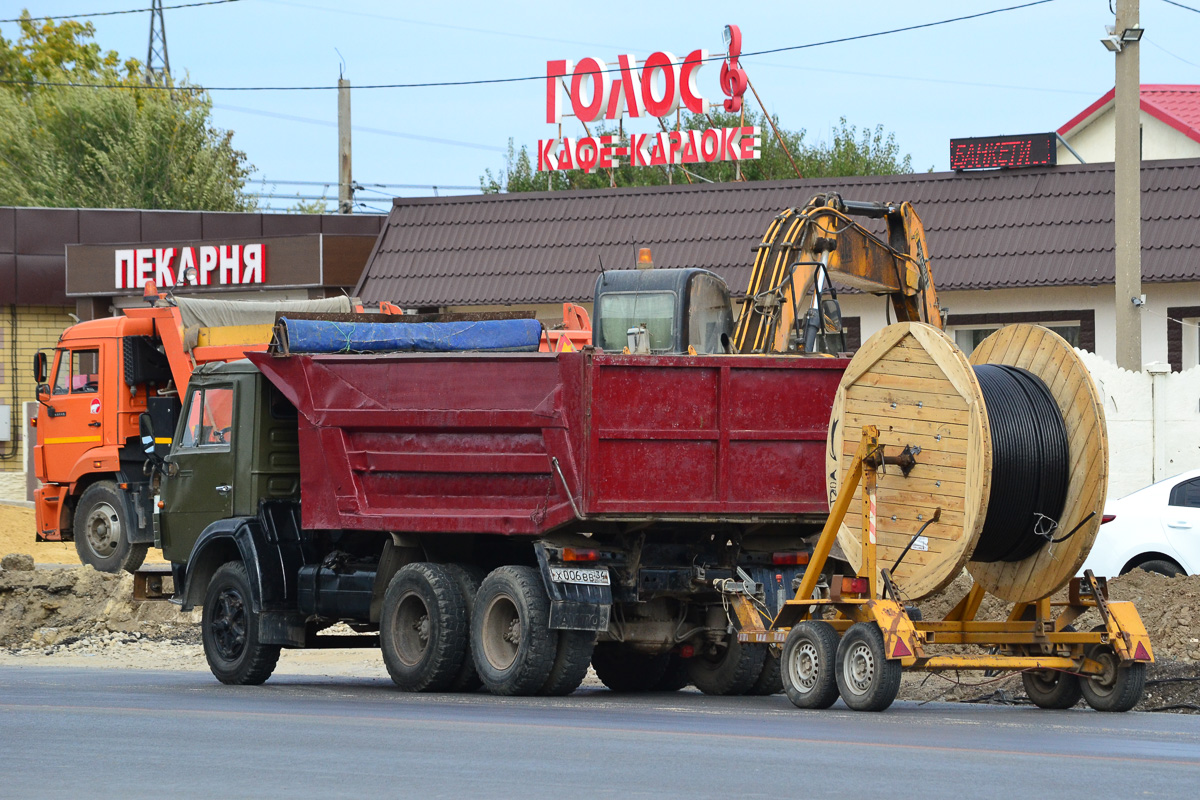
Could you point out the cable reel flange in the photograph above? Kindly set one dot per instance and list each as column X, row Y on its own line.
column 914, row 383
column 1048, row 356
column 917, row 387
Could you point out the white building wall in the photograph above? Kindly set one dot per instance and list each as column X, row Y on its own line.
column 1095, row 142
column 1099, row 299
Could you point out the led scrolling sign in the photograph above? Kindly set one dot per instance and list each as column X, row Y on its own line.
column 1004, row 152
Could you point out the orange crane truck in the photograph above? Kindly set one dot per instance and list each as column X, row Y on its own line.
column 91, row 390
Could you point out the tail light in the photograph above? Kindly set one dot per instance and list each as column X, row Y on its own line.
column 686, row 651
column 579, row 554
column 789, row 558
column 854, row 586
column 1107, row 518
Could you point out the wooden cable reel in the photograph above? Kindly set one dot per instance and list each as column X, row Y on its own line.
column 912, row 382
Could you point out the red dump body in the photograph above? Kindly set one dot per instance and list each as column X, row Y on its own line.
column 468, row 443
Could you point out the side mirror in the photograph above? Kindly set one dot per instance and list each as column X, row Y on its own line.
column 39, row 368
column 146, row 429
column 43, row 392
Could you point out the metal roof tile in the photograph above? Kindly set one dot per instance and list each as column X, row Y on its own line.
column 1041, row 227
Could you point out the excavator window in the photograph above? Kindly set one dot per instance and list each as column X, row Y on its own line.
column 78, row 372
column 209, row 418
column 624, row 310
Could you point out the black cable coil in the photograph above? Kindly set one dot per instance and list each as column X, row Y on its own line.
column 1030, row 454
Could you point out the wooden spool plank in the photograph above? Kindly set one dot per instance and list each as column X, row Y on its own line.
column 911, row 382
column 1047, row 355
column 864, row 401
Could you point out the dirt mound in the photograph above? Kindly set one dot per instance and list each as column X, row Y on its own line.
column 18, row 534
column 1169, row 608
column 78, row 608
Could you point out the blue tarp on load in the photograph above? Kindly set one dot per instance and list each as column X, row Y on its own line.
column 318, row 336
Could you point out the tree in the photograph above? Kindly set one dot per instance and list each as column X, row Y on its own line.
column 849, row 152
column 126, row 147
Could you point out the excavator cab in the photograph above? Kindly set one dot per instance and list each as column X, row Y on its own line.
column 662, row 311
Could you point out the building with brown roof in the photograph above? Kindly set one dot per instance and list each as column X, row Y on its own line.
column 1007, row 246
column 59, row 262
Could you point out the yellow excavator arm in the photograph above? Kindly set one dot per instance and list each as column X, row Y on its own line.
column 805, row 248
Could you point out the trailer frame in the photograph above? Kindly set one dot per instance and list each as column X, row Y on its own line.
column 1036, row 635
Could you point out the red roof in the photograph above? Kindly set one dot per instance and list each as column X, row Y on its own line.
column 1176, row 105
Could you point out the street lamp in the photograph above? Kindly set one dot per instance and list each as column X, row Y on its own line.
column 1114, row 43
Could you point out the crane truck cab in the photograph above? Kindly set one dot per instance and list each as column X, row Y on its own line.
column 663, row 311
column 101, row 377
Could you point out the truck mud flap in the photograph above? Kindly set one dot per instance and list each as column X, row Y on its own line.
column 285, row 628
column 575, row 606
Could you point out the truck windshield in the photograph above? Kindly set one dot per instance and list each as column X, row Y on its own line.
column 620, row 311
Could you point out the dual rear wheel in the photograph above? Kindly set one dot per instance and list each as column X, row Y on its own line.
column 442, row 628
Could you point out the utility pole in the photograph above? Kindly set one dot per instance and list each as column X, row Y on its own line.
column 158, row 64
column 1128, row 187
column 345, row 180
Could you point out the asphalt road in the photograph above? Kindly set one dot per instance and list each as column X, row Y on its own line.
column 118, row 733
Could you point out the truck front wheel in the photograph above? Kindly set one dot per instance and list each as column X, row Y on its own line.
column 229, row 628
column 511, row 640
column 102, row 523
column 423, row 628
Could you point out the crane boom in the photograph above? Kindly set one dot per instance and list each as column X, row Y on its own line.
column 804, row 248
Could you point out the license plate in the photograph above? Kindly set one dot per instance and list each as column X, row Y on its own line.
column 595, row 577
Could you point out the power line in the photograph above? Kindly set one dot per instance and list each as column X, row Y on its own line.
column 360, row 129
column 491, row 81
column 1168, row 52
column 445, row 26
column 127, row 11
column 1181, row 5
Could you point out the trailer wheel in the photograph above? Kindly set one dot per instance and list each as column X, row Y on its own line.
column 102, row 522
column 570, row 664
column 511, row 640
column 770, row 680
column 423, row 628
column 1118, row 688
column 229, row 628
column 732, row 669
column 623, row 669
column 469, row 577
column 809, row 665
column 867, row 680
column 1049, row 688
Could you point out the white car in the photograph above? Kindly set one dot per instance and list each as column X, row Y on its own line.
column 1156, row 529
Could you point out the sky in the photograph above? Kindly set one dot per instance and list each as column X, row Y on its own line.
column 1022, row 71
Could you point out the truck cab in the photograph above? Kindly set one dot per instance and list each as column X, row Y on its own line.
column 235, row 444
column 662, row 311
column 102, row 375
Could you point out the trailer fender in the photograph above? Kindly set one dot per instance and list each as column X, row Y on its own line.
column 233, row 539
column 900, row 638
column 574, row 606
